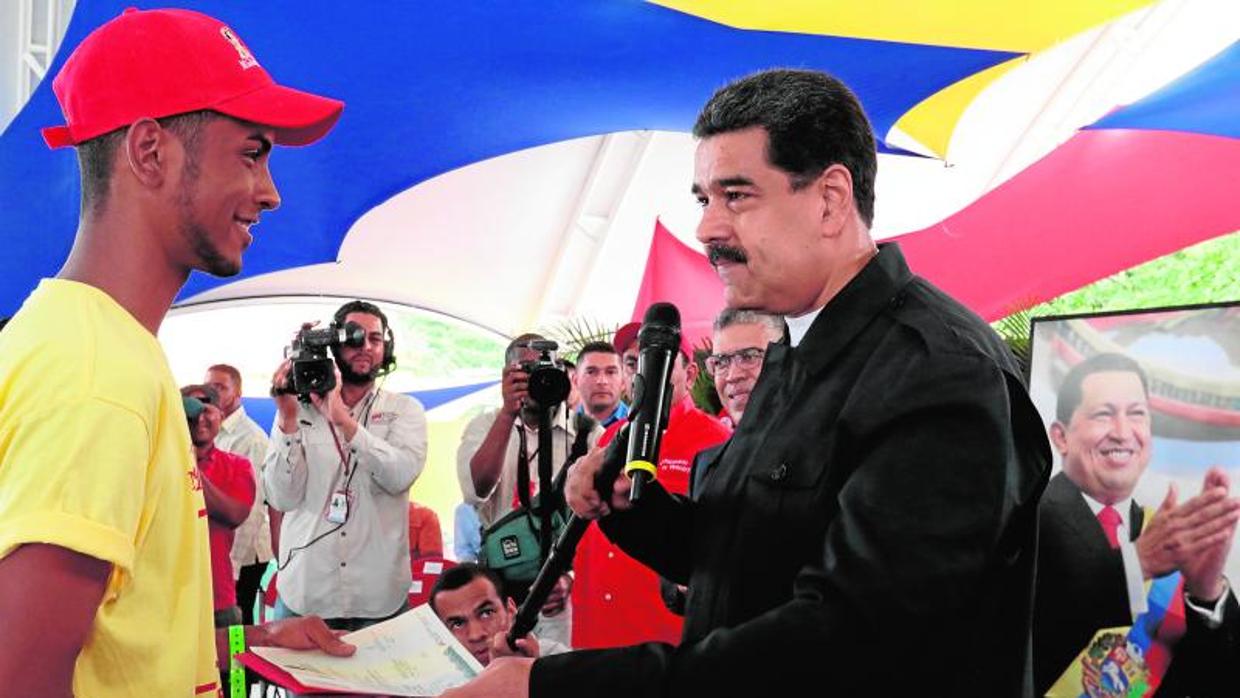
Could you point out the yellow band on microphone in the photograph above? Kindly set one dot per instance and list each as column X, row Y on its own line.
column 641, row 465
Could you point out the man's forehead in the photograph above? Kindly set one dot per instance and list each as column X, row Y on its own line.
column 741, row 334
column 599, row 358
column 1112, row 386
column 730, row 158
column 477, row 593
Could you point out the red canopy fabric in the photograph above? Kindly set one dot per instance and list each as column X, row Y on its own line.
column 1103, row 202
column 678, row 274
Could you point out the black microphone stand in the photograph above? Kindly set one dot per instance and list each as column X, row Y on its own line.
column 561, row 557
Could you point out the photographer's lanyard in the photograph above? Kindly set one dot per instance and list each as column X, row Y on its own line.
column 522, row 495
column 546, row 496
column 338, row 503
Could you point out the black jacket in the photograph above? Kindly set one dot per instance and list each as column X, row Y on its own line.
column 869, row 529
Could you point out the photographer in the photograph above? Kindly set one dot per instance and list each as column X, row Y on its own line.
column 340, row 469
column 488, row 457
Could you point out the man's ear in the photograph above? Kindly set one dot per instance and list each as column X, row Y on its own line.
column 835, row 187
column 511, row 606
column 146, row 148
column 1059, row 437
column 691, row 373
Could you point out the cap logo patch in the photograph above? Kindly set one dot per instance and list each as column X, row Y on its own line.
column 247, row 59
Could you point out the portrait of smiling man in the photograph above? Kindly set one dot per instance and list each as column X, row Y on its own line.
column 1107, row 564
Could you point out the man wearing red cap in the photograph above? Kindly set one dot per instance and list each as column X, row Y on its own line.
column 616, row 599
column 105, row 578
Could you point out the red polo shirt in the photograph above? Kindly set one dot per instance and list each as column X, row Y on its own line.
column 616, row 599
column 234, row 476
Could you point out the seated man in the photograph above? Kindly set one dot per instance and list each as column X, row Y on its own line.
column 467, row 599
column 228, row 486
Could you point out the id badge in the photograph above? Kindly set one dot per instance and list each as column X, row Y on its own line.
column 338, row 508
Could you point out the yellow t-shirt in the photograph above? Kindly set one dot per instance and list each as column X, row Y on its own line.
column 95, row 457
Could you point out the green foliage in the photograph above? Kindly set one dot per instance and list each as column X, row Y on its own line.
column 1014, row 329
column 703, row 389
column 1207, row 272
column 437, row 350
column 574, row 333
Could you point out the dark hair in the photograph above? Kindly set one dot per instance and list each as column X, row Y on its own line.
column 389, row 339
column 95, row 156
column 812, row 121
column 360, row 306
column 1070, row 391
column 231, row 371
column 744, row 316
column 596, row 348
column 519, row 339
column 464, row 573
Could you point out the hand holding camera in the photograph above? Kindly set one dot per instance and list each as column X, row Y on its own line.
column 534, row 373
column 312, row 371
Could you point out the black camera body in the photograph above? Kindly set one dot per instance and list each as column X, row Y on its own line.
column 548, row 383
column 313, row 371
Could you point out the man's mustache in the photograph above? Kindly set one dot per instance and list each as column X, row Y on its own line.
column 723, row 253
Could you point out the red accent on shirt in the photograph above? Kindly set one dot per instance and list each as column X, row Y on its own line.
column 616, row 599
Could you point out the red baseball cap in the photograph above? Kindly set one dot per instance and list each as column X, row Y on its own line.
column 627, row 334
column 157, row 63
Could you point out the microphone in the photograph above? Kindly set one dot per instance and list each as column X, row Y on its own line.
column 658, row 341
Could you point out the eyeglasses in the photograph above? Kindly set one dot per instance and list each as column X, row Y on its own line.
column 748, row 358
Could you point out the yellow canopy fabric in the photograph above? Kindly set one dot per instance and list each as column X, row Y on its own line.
column 1023, row 26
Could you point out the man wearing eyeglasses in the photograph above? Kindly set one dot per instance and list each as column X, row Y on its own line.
column 740, row 340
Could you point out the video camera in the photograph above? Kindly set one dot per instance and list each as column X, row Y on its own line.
column 312, row 370
column 548, row 384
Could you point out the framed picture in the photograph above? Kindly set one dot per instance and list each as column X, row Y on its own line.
column 1191, row 358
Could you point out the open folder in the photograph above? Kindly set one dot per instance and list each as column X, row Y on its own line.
column 412, row 654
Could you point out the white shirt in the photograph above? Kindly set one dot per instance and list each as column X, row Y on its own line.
column 358, row 569
column 799, row 326
column 1134, row 578
column 241, row 435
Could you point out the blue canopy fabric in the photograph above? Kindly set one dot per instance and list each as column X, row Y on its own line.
column 433, row 86
column 1205, row 101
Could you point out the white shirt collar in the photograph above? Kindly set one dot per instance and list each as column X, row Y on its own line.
column 233, row 419
column 1124, row 507
column 799, row 326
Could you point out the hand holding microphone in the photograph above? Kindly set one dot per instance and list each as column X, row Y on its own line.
column 583, row 494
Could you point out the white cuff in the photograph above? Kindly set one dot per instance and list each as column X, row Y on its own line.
column 1213, row 617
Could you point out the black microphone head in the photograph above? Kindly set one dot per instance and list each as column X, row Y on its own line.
column 660, row 327
column 664, row 314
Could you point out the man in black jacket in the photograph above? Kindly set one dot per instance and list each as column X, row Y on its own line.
column 871, row 527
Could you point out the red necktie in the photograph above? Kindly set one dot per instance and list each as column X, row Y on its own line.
column 1110, row 520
